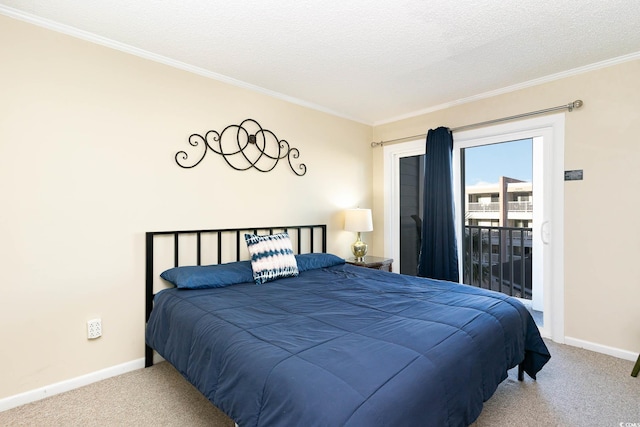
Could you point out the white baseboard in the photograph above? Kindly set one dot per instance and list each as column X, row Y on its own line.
column 73, row 383
column 599, row 348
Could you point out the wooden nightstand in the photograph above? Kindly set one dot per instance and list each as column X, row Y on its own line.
column 374, row 262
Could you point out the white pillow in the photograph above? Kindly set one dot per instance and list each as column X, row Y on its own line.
column 271, row 257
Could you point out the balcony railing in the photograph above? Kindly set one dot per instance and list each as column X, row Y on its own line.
column 483, row 207
column 498, row 258
column 520, row 206
column 495, row 207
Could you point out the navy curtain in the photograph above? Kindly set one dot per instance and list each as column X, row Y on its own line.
column 438, row 252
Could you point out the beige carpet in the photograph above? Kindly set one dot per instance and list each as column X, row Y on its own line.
column 576, row 388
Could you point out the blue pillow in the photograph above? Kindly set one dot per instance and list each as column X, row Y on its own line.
column 271, row 257
column 317, row 260
column 209, row 276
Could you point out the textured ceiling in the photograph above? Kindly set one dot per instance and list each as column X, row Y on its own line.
column 368, row 60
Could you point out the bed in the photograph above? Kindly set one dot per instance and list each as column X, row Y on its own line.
column 333, row 344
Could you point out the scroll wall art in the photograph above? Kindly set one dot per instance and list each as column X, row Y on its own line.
column 243, row 147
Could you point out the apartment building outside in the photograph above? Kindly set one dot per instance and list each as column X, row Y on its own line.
column 508, row 203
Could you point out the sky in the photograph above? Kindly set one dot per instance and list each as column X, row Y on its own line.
column 487, row 163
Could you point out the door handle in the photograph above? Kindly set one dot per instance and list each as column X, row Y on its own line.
column 545, row 233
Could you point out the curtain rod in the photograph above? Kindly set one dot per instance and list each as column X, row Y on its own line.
column 570, row 106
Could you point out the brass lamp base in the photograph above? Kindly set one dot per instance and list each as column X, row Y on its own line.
column 359, row 248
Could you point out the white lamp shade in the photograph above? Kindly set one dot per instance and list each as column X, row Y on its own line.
column 358, row 220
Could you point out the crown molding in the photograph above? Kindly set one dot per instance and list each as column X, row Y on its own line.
column 513, row 88
column 94, row 38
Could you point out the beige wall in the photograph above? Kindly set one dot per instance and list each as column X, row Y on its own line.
column 87, row 139
column 601, row 280
column 87, row 143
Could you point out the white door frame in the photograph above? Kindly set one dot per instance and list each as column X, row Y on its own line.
column 551, row 231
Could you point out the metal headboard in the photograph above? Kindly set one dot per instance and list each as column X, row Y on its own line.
column 306, row 238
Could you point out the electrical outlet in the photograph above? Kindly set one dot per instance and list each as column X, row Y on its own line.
column 94, row 329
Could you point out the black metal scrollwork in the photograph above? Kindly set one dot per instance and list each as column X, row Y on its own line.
column 252, row 147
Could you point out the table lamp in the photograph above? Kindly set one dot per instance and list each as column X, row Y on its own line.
column 358, row 220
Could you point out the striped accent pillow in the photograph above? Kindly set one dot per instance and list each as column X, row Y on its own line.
column 271, row 257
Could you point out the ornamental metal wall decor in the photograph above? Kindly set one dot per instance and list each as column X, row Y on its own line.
column 243, row 147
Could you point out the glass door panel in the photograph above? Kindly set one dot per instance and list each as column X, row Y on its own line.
column 411, row 183
column 498, row 216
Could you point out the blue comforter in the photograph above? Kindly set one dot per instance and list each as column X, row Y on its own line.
column 346, row 345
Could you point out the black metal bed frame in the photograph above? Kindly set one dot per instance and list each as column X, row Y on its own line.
column 298, row 233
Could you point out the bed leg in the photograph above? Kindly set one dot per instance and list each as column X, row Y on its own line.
column 636, row 368
column 520, row 373
column 148, row 356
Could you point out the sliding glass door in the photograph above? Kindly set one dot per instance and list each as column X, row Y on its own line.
column 543, row 245
column 511, row 238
